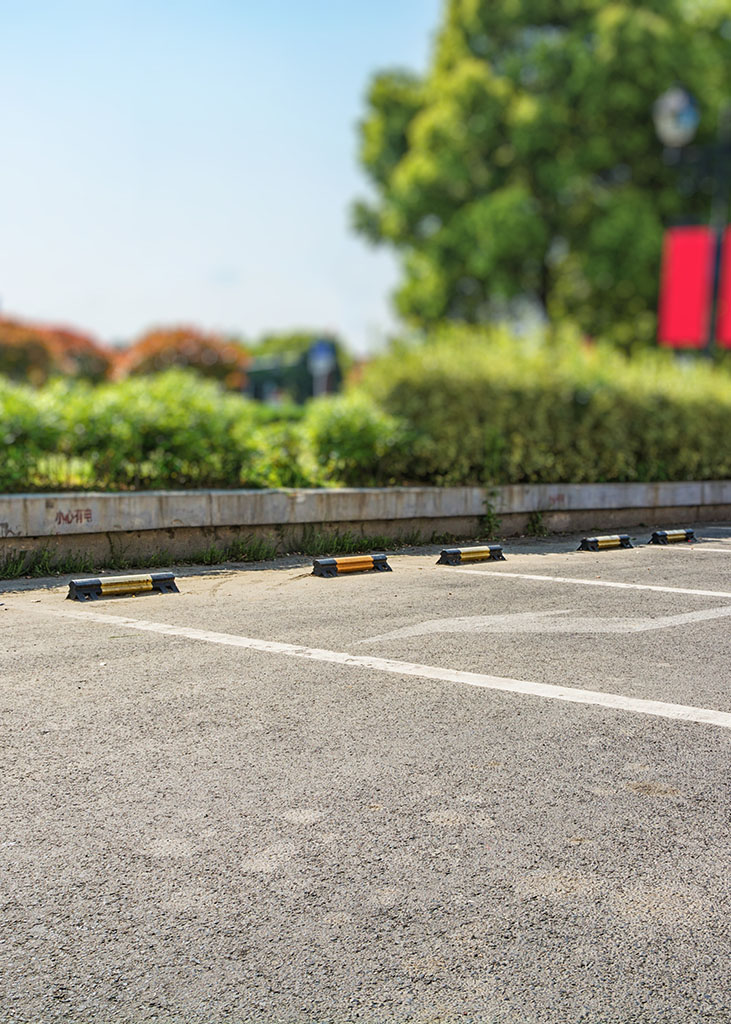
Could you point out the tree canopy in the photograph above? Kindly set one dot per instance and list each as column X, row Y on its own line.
column 35, row 352
column 164, row 347
column 525, row 161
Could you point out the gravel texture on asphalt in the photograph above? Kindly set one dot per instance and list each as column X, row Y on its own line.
column 205, row 834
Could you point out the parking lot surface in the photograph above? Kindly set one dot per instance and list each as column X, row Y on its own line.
column 495, row 793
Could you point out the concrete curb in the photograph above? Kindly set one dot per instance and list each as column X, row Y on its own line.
column 182, row 522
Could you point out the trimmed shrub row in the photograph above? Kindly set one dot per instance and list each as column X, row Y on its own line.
column 482, row 407
column 466, row 407
column 171, row 430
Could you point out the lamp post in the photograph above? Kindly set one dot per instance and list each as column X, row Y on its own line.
column 676, row 118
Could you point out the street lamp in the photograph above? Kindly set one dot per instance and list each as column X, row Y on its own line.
column 676, row 118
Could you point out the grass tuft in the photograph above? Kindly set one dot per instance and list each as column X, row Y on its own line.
column 314, row 543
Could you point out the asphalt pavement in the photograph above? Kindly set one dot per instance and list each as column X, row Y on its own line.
column 494, row 793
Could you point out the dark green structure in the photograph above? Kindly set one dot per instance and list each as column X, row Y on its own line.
column 298, row 375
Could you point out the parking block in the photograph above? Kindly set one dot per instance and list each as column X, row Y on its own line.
column 672, row 536
column 615, row 540
column 106, row 586
column 329, row 567
column 486, row 553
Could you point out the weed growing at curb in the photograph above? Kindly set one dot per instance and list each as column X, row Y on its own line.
column 491, row 521
column 319, row 544
column 536, row 527
column 254, row 550
column 45, row 562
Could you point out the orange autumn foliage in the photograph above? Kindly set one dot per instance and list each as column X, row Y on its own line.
column 35, row 352
column 163, row 347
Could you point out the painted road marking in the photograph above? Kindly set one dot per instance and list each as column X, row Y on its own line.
column 590, row 583
column 547, row 622
column 702, row 547
column 615, row 701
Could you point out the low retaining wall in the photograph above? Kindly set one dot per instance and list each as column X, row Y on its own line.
column 184, row 523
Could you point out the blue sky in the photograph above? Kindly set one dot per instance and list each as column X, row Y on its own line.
column 170, row 161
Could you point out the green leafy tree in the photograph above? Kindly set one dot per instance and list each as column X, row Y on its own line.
column 525, row 162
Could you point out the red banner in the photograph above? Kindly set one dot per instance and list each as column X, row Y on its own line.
column 723, row 316
column 686, row 287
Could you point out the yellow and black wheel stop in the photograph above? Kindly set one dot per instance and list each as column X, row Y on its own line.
column 672, row 537
column 457, row 556
column 329, row 567
column 106, row 586
column 615, row 540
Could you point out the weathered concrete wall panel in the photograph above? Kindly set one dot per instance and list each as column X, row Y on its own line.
column 48, row 515
column 184, row 524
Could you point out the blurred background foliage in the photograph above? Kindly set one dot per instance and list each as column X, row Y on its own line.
column 162, row 348
column 36, row 353
column 524, row 164
column 520, row 172
column 473, row 406
column 481, row 406
column 298, row 342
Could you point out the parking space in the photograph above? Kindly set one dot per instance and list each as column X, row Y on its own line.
column 494, row 793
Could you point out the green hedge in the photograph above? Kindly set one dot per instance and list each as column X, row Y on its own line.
column 483, row 407
column 466, row 407
column 172, row 430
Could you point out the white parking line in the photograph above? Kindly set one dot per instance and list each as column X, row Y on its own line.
column 588, row 583
column 615, row 701
column 557, row 620
column 702, row 547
